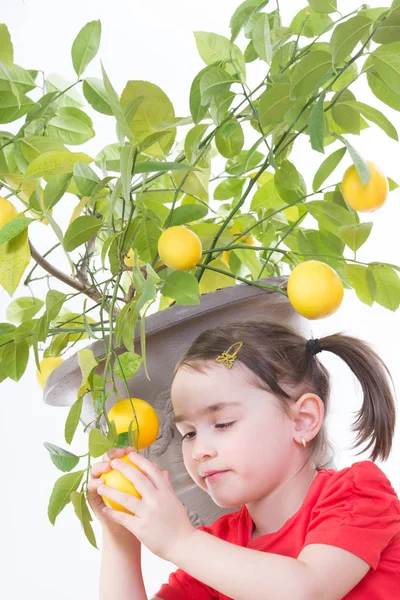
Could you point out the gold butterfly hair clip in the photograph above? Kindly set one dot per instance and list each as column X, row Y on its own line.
column 228, row 359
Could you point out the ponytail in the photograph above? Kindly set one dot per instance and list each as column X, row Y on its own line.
column 376, row 419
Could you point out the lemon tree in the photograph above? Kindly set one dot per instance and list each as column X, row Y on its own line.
column 174, row 207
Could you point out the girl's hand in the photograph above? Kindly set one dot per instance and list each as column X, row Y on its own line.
column 159, row 519
column 95, row 500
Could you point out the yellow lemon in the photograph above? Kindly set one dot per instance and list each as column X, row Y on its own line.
column 146, row 421
column 369, row 197
column 314, row 289
column 7, row 211
column 129, row 259
column 248, row 240
column 179, row 248
column 47, row 365
column 116, row 480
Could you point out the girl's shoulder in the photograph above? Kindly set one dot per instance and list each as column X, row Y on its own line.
column 361, row 488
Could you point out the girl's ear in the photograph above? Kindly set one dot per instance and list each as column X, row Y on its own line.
column 308, row 414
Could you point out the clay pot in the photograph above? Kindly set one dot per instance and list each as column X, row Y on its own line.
column 168, row 334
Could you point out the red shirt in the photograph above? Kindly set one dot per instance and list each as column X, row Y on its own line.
column 355, row 508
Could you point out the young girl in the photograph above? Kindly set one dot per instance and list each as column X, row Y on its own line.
column 250, row 401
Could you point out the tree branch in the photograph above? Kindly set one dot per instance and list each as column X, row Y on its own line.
column 82, row 285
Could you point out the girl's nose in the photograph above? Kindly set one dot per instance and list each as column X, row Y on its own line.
column 203, row 450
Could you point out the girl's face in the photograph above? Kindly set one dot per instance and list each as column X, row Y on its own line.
column 229, row 425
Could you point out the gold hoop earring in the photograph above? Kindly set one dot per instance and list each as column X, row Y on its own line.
column 303, row 441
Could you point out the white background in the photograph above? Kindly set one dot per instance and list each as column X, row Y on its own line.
column 152, row 41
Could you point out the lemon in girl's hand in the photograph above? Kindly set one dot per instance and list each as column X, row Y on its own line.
column 116, row 480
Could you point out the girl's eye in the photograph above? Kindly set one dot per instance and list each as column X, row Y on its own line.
column 220, row 426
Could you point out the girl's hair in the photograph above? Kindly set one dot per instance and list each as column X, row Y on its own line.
column 283, row 364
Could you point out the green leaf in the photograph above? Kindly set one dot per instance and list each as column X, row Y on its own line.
column 289, row 182
column 14, row 258
column 323, row 6
column 15, row 360
column 116, row 107
column 147, row 239
column 386, row 60
column 81, row 230
column 23, row 309
column 55, row 189
column 96, row 94
column 7, row 332
column 229, row 188
column 374, row 115
column 85, row 178
column 20, row 77
column 346, row 116
column 126, row 162
column 243, row 14
column 25, row 331
column 309, row 23
column 60, row 495
column 387, row 286
column 56, row 83
column 83, row 514
column 267, row 197
column 330, row 216
column 54, row 162
column 274, row 103
column 197, row 109
column 193, row 140
column 392, row 184
column 360, row 164
column 389, row 30
column 71, row 125
column 85, row 46
column 309, row 72
column 229, row 139
column 6, row 47
column 211, row 280
column 187, row 213
column 98, row 443
column 34, row 145
column 214, row 80
column 346, row 37
column 13, row 228
column 240, row 164
column 155, row 109
column 73, row 419
column 357, row 275
column 87, row 363
column 182, row 287
column 214, row 48
column 63, row 459
column 355, row 235
column 152, row 167
column 327, row 167
column 54, row 303
column 127, row 364
column 12, row 108
column 261, row 36
column 382, row 91
column 316, row 125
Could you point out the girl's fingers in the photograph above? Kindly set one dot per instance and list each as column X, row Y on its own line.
column 131, row 503
column 117, row 452
column 105, row 466
column 147, row 477
column 94, row 484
